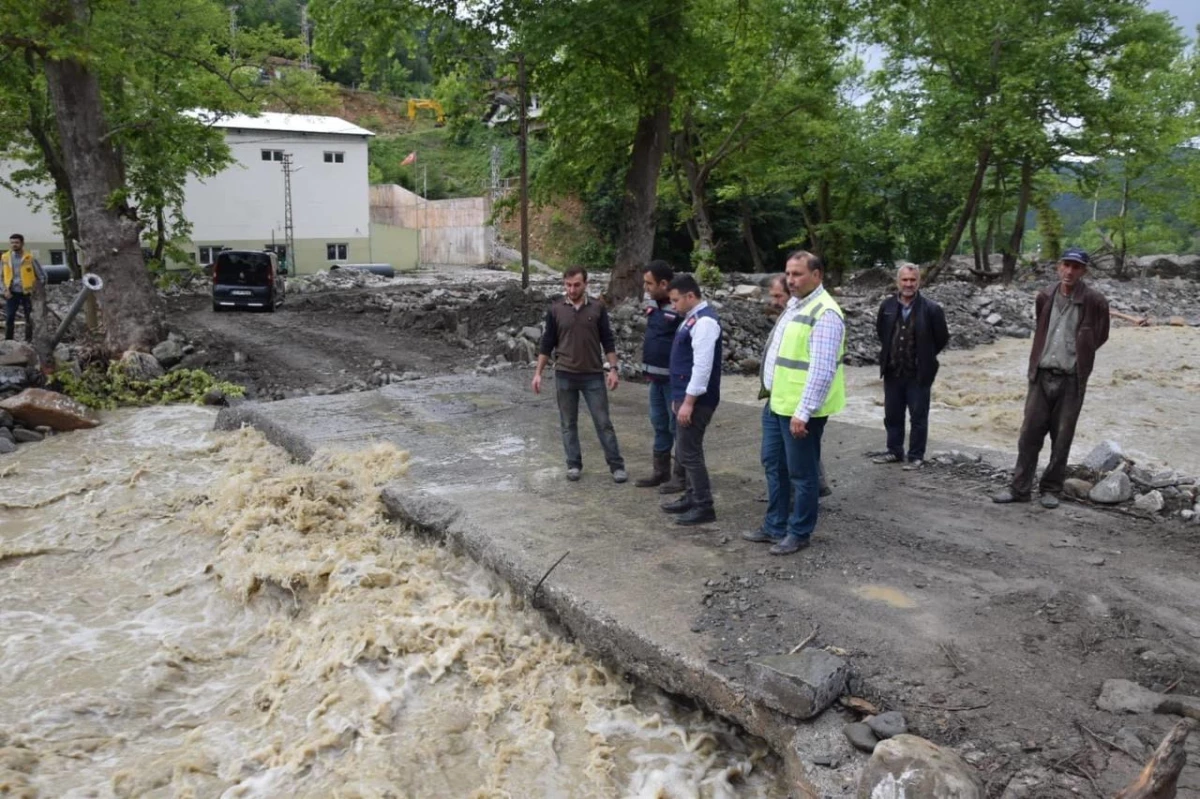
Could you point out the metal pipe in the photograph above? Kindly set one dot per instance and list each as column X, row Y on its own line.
column 383, row 270
column 91, row 282
column 56, row 273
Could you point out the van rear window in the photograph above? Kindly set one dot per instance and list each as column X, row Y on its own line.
column 243, row 269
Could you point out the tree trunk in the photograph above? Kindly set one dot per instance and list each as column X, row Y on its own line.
column 748, row 238
column 981, row 165
column 109, row 234
column 1120, row 253
column 1013, row 251
column 635, row 230
column 160, row 234
column 975, row 245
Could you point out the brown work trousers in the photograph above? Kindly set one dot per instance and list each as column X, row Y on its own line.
column 1051, row 406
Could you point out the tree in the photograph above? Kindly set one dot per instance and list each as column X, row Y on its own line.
column 1015, row 83
column 116, row 83
column 751, row 69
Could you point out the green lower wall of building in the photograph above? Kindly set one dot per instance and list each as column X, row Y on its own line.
column 386, row 244
column 398, row 246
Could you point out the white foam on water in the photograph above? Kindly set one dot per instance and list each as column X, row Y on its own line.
column 189, row 614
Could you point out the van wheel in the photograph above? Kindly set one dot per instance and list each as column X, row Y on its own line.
column 272, row 305
column 217, row 307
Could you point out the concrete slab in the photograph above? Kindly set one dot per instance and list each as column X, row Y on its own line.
column 966, row 615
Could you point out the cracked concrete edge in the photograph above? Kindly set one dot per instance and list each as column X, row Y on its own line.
column 236, row 417
column 604, row 638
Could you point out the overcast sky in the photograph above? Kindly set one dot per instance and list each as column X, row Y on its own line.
column 1187, row 12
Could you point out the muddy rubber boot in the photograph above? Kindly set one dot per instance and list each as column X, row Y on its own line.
column 678, row 482
column 662, row 471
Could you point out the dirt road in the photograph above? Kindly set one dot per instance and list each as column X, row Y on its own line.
column 309, row 346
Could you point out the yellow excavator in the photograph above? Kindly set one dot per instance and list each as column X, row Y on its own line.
column 432, row 105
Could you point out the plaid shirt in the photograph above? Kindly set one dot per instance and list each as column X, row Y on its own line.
column 823, row 347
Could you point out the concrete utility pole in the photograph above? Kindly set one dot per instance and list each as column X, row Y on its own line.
column 306, row 32
column 522, row 148
column 233, row 28
column 289, row 230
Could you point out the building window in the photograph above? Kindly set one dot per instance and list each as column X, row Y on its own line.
column 209, row 254
column 58, row 257
column 335, row 158
column 272, row 155
column 337, row 252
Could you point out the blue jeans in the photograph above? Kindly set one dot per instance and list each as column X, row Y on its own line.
column 792, row 466
column 661, row 418
column 18, row 301
column 595, row 394
column 901, row 394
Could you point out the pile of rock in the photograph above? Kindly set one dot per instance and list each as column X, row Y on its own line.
column 335, row 280
column 1107, row 477
column 20, row 368
column 33, row 414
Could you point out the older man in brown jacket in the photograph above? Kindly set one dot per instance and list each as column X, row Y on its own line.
column 1072, row 323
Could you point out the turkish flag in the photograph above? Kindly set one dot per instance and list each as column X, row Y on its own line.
column 409, row 159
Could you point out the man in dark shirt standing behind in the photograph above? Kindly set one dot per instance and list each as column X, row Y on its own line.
column 577, row 332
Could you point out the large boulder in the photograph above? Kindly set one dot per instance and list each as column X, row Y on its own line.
column 1169, row 265
column 140, row 366
column 1112, row 490
column 168, row 353
column 1104, row 457
column 908, row 767
column 13, row 378
column 35, row 406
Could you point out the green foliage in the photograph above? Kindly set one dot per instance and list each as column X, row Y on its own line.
column 112, row 387
column 704, row 267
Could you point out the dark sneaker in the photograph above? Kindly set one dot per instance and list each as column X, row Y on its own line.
column 1006, row 496
column 825, row 491
column 1049, row 501
column 696, row 516
column 913, row 465
column 789, row 545
column 761, row 536
column 619, row 475
column 681, row 505
column 891, row 457
column 573, row 474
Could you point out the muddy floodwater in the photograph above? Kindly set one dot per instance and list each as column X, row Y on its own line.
column 1144, row 393
column 189, row 614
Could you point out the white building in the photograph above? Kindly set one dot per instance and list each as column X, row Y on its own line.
column 243, row 207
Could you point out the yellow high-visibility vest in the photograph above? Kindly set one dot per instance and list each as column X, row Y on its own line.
column 28, row 276
column 791, row 366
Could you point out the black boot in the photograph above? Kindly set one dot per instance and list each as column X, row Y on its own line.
column 677, row 483
column 662, row 471
column 681, row 505
column 696, row 515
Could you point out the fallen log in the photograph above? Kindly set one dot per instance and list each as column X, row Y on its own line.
column 1160, row 775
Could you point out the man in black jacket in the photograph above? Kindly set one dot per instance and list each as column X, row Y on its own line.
column 912, row 331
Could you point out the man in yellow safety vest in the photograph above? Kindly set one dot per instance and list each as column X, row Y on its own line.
column 807, row 385
column 22, row 274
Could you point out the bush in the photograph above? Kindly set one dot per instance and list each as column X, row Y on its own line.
column 110, row 388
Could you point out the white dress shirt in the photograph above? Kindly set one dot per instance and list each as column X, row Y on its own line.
column 706, row 332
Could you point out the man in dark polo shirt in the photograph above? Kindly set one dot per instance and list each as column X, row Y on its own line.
column 579, row 336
